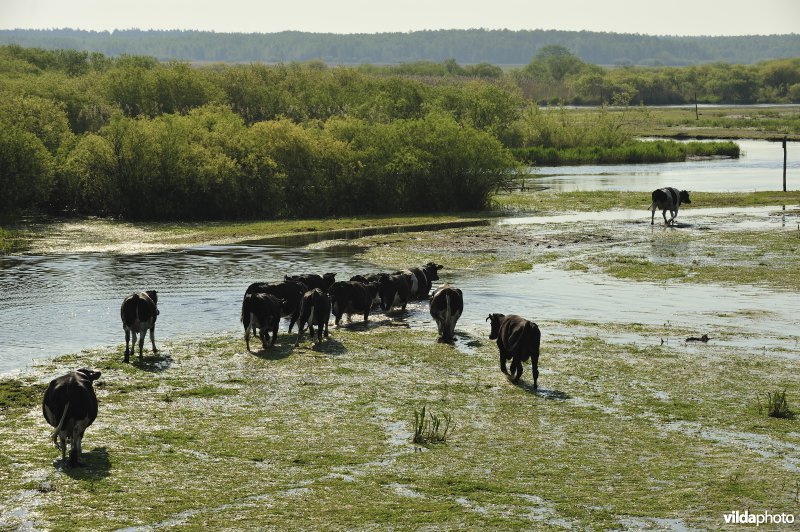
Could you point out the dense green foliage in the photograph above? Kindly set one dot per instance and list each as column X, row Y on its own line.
column 502, row 47
column 135, row 138
column 635, row 151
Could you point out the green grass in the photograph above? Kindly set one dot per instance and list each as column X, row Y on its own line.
column 321, row 439
column 551, row 201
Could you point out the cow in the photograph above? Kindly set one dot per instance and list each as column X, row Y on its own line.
column 446, row 306
column 394, row 290
column 421, row 278
column 517, row 339
column 668, row 199
column 263, row 312
column 139, row 313
column 371, row 278
column 313, row 280
column 351, row 297
column 315, row 309
column 290, row 292
column 70, row 406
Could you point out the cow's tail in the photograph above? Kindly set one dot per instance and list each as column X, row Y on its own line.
column 245, row 316
column 536, row 334
column 54, row 435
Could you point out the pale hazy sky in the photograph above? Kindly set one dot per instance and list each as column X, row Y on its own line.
column 669, row 17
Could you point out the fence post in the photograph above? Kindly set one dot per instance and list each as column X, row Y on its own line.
column 784, row 163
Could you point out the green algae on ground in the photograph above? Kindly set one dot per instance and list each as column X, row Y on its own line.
column 321, row 438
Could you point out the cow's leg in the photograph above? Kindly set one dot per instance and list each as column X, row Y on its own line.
column 503, row 364
column 62, row 444
column 326, row 329
column 535, row 370
column 664, row 214
column 516, row 370
column 293, row 319
column 652, row 214
column 127, row 339
column 300, row 327
column 275, row 331
column 152, row 340
column 247, row 338
column 141, row 343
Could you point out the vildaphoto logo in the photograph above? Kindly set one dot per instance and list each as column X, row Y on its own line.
column 763, row 518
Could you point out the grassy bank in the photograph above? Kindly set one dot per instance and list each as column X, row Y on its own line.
column 550, row 201
column 207, row 435
column 633, row 152
column 98, row 234
column 719, row 122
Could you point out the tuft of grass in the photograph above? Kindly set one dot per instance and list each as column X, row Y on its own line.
column 777, row 406
column 429, row 428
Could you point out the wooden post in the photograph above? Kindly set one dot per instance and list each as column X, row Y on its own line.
column 784, row 163
column 696, row 114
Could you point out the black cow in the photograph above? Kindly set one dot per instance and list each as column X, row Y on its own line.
column 447, row 304
column 394, row 290
column 372, row 278
column 290, row 292
column 70, row 405
column 139, row 313
column 315, row 309
column 313, row 280
column 263, row 312
column 351, row 297
column 668, row 199
column 517, row 339
column 421, row 278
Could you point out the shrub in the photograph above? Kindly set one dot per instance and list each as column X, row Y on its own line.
column 777, row 406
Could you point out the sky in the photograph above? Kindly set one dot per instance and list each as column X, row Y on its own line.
column 670, row 17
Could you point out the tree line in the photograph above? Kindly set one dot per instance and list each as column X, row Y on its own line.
column 500, row 47
column 141, row 139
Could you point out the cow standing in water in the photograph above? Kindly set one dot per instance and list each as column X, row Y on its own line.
column 447, row 304
column 70, row 405
column 315, row 309
column 668, row 199
column 139, row 313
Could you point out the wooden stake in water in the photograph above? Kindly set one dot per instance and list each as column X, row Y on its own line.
column 784, row 163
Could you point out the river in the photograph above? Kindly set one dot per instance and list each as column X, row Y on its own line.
column 64, row 302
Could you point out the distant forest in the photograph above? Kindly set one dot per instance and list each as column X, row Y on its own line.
column 498, row 47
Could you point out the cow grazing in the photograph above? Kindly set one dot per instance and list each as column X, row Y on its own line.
column 313, row 280
column 351, row 297
column 668, row 199
column 290, row 292
column 421, row 278
column 263, row 312
column 139, row 313
column 315, row 309
column 447, row 304
column 517, row 339
column 70, row 405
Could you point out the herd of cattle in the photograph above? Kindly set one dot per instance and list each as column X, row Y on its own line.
column 70, row 404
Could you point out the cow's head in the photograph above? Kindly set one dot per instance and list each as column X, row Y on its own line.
column 495, row 320
column 88, row 374
column 684, row 196
column 432, row 271
column 153, row 295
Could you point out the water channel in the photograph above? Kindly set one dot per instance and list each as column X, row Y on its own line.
column 64, row 302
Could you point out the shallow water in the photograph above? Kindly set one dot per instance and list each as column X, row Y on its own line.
column 61, row 303
column 760, row 168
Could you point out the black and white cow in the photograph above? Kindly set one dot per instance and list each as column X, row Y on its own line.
column 315, row 309
column 351, row 297
column 263, row 312
column 517, row 339
column 70, row 405
column 371, row 278
column 668, row 199
column 313, row 280
column 290, row 292
column 421, row 278
column 139, row 313
column 447, row 304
